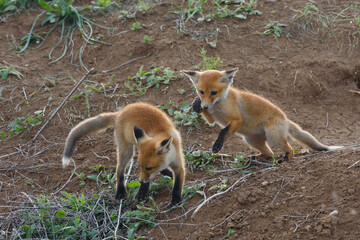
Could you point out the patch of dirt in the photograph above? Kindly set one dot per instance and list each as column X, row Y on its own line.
column 309, row 77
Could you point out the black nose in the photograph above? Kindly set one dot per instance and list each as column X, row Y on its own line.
column 205, row 107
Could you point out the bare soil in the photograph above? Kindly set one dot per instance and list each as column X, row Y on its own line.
column 308, row 74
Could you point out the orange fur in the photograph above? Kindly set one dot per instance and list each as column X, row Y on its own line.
column 253, row 117
column 158, row 140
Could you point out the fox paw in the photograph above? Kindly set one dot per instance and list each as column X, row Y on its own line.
column 196, row 105
column 141, row 196
column 217, row 147
column 120, row 194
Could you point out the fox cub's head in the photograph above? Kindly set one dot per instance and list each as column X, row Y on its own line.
column 154, row 155
column 211, row 85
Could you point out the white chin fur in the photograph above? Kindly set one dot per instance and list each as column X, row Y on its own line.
column 65, row 161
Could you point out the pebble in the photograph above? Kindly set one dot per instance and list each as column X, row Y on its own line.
column 334, row 213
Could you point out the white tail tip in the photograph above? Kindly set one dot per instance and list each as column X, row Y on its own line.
column 65, row 161
column 331, row 148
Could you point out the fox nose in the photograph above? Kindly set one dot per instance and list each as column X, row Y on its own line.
column 205, row 107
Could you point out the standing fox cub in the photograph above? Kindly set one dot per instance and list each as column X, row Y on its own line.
column 153, row 131
column 256, row 119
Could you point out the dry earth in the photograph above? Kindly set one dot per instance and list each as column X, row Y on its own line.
column 309, row 74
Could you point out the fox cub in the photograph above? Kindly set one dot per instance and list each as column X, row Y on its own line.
column 152, row 131
column 256, row 119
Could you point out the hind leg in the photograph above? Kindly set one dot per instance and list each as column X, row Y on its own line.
column 259, row 143
column 277, row 137
column 123, row 153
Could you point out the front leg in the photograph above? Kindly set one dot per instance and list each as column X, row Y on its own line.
column 225, row 134
column 120, row 188
column 179, row 178
column 143, row 191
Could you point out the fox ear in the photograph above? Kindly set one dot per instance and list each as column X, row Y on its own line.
column 139, row 135
column 164, row 145
column 228, row 76
column 194, row 76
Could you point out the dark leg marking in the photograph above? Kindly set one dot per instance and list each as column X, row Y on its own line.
column 220, row 140
column 167, row 172
column 176, row 193
column 121, row 191
column 143, row 191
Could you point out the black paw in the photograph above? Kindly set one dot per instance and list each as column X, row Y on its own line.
column 120, row 194
column 196, row 105
column 143, row 192
column 174, row 203
column 217, row 147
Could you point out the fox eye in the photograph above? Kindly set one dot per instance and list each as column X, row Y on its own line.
column 148, row 168
column 213, row 93
column 201, row 92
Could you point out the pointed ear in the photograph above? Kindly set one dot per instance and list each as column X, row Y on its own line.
column 194, row 76
column 164, row 145
column 228, row 76
column 139, row 135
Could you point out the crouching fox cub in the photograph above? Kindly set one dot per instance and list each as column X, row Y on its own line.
column 152, row 131
column 256, row 119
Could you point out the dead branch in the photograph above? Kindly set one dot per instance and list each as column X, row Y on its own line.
column 123, row 64
column 63, row 102
column 218, row 194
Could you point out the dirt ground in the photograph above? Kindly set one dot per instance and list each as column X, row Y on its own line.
column 309, row 74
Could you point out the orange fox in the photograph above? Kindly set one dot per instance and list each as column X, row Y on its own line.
column 256, row 119
column 158, row 140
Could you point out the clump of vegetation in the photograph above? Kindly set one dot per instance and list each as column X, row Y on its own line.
column 143, row 80
column 193, row 7
column 200, row 159
column 183, row 117
column 148, row 39
column 14, row 5
column 275, row 28
column 61, row 13
column 208, row 63
column 136, row 26
column 22, row 124
column 5, row 71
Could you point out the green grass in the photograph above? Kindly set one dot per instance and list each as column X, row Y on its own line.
column 62, row 14
column 143, row 80
column 208, row 63
column 22, row 124
column 5, row 71
column 275, row 28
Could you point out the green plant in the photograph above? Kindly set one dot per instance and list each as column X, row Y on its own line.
column 192, row 8
column 103, row 3
column 183, row 117
column 208, row 63
column 274, row 28
column 181, row 91
column 6, row 70
column 7, row 6
column 23, row 123
column 230, row 232
column 148, row 39
column 311, row 19
column 241, row 162
column 63, row 13
column 220, row 186
column 136, row 26
column 143, row 6
column 200, row 159
column 143, row 80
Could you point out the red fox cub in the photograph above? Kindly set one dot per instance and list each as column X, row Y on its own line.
column 152, row 131
column 256, row 119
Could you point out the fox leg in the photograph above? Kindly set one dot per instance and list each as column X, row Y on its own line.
column 259, row 143
column 179, row 177
column 123, row 157
column 143, row 191
column 225, row 134
column 277, row 137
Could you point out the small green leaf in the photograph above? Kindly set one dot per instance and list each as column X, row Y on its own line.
column 60, row 214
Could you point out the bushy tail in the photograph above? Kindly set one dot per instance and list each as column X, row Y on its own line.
column 90, row 125
column 305, row 137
